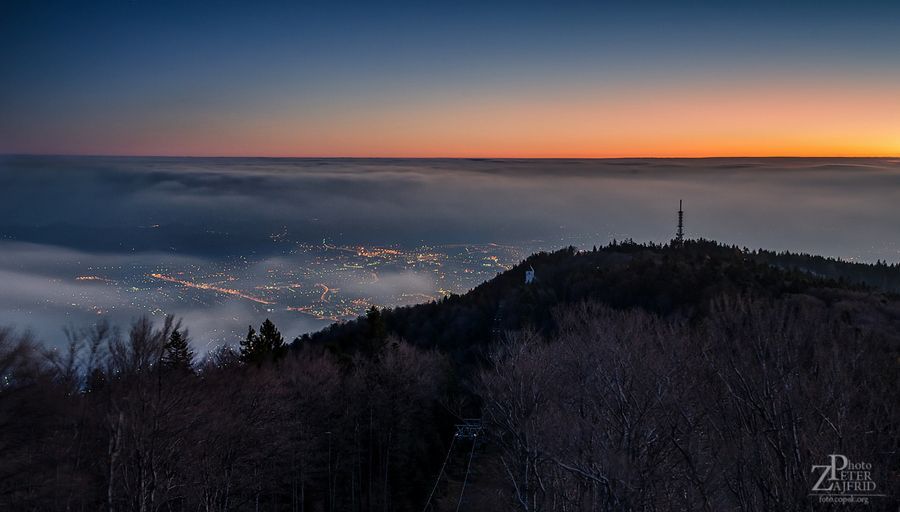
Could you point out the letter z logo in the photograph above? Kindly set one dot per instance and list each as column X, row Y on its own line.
column 829, row 473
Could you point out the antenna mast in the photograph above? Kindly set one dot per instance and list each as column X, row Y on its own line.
column 679, row 235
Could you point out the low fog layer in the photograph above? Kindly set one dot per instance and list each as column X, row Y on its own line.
column 60, row 217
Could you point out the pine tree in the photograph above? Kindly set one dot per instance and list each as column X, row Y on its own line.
column 377, row 326
column 377, row 333
column 267, row 345
column 272, row 340
column 250, row 346
column 178, row 353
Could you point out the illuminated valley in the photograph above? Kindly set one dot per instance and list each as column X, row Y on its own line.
column 321, row 283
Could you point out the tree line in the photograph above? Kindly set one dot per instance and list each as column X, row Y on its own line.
column 632, row 377
column 131, row 421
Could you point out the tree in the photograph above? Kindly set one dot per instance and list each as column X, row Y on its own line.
column 272, row 340
column 178, row 353
column 268, row 344
column 377, row 330
column 250, row 346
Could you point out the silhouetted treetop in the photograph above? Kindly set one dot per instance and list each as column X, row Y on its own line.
column 267, row 345
column 178, row 353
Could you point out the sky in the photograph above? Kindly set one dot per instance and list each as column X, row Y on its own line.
column 449, row 79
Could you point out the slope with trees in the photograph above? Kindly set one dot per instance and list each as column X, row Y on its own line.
column 631, row 377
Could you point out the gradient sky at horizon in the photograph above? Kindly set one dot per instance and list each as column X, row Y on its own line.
column 421, row 79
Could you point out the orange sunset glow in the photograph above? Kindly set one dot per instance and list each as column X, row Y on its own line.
column 482, row 81
column 803, row 119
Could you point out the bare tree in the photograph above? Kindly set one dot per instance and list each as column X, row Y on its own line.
column 624, row 410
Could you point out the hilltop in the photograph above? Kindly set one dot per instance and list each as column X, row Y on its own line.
column 667, row 280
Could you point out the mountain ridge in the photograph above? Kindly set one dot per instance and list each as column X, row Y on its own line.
column 663, row 279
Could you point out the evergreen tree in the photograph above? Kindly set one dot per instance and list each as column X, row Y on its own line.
column 267, row 344
column 377, row 326
column 377, row 330
column 178, row 353
column 250, row 346
column 271, row 340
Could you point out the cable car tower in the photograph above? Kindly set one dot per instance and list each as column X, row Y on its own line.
column 468, row 430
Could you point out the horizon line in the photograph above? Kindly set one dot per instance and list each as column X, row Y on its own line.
column 407, row 157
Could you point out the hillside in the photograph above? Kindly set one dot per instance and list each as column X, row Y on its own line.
column 714, row 362
column 661, row 279
column 631, row 377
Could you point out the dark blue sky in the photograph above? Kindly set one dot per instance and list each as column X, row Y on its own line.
column 421, row 78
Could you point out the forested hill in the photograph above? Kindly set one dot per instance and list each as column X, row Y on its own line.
column 662, row 279
column 631, row 377
column 879, row 275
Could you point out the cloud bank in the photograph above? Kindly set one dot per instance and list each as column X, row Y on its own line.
column 62, row 216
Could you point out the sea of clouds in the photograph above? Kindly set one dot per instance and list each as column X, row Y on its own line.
column 61, row 215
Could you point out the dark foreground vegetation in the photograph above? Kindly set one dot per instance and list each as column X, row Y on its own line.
column 633, row 377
